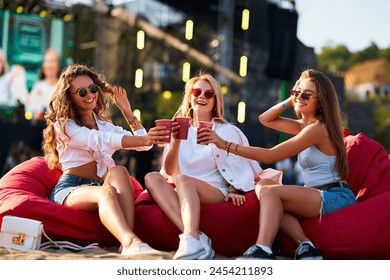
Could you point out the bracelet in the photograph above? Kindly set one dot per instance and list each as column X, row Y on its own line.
column 228, row 148
column 133, row 122
column 232, row 190
column 235, row 150
column 284, row 106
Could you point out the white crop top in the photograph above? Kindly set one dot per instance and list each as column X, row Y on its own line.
column 86, row 145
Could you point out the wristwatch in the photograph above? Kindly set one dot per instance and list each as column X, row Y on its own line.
column 133, row 122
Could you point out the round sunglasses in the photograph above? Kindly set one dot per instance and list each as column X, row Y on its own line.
column 304, row 95
column 207, row 93
column 93, row 88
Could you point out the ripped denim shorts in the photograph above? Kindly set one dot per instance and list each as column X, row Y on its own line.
column 336, row 196
column 66, row 184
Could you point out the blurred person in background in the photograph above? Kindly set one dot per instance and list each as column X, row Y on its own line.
column 13, row 89
column 298, row 174
column 18, row 153
column 286, row 165
column 39, row 98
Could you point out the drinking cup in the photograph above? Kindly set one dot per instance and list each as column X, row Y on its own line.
column 168, row 125
column 182, row 132
column 201, row 124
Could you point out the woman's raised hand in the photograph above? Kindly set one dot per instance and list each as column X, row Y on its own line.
column 119, row 96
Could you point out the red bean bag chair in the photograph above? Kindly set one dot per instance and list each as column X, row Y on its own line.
column 24, row 192
column 360, row 231
column 232, row 229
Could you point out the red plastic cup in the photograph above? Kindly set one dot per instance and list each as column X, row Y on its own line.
column 201, row 124
column 168, row 125
column 184, row 123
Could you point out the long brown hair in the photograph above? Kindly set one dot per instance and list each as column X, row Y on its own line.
column 328, row 112
column 62, row 107
column 185, row 107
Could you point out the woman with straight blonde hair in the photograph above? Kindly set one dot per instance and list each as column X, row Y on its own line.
column 202, row 174
column 318, row 141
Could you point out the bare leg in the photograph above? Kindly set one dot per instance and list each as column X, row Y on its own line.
column 268, row 222
column 165, row 196
column 275, row 199
column 105, row 200
column 183, row 208
column 114, row 202
column 291, row 226
column 192, row 192
column 118, row 177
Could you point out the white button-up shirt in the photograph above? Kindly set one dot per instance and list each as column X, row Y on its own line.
column 86, row 145
column 235, row 170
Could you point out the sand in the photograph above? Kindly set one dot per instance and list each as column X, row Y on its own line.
column 88, row 254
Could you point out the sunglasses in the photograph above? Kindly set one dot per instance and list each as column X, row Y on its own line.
column 208, row 93
column 93, row 88
column 303, row 95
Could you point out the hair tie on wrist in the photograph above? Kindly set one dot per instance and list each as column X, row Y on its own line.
column 228, row 148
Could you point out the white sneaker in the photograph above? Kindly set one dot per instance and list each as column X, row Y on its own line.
column 190, row 248
column 142, row 249
column 206, row 242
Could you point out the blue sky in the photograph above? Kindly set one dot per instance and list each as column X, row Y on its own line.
column 354, row 23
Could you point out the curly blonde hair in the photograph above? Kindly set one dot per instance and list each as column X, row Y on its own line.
column 62, row 107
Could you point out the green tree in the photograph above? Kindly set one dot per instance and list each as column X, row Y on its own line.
column 334, row 59
column 382, row 125
column 385, row 53
column 339, row 58
column 370, row 52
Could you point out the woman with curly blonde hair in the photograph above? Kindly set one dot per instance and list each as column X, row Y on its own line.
column 80, row 139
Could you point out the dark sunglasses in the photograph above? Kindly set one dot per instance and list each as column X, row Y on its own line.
column 304, row 95
column 93, row 88
column 208, row 93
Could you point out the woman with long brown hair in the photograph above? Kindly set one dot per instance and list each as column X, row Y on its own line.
column 80, row 139
column 318, row 141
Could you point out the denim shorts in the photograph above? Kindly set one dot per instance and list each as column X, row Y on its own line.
column 336, row 198
column 66, row 184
